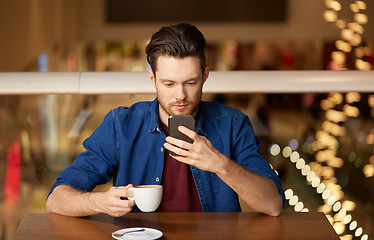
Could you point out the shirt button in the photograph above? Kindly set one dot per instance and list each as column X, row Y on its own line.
column 157, row 179
column 162, row 149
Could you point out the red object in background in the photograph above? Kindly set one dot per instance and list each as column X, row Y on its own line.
column 308, row 99
column 370, row 59
column 12, row 174
column 288, row 59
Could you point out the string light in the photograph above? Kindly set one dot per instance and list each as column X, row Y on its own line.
column 287, row 151
column 274, row 149
column 320, row 174
column 353, row 225
column 337, row 206
column 350, row 33
column 365, row 237
column 368, row 169
column 330, row 191
column 346, row 237
column 358, row 232
column 293, row 200
column 352, row 97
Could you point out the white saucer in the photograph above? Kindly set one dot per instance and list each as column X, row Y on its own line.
column 147, row 234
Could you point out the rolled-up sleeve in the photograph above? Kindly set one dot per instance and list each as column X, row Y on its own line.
column 246, row 152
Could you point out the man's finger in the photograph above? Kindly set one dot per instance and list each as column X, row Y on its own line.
column 129, row 194
column 121, row 191
column 176, row 150
column 179, row 143
column 186, row 131
column 181, row 159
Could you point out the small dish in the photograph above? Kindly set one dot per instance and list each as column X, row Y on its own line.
column 147, row 234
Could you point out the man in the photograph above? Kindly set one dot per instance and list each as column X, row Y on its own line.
column 132, row 147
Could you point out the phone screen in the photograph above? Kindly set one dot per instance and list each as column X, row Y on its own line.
column 180, row 120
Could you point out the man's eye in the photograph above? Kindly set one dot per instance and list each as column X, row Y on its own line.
column 168, row 84
column 191, row 83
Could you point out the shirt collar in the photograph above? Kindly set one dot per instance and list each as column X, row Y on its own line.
column 155, row 120
column 200, row 120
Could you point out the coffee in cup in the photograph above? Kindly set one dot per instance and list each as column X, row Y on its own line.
column 147, row 197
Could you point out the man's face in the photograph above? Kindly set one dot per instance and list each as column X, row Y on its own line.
column 178, row 84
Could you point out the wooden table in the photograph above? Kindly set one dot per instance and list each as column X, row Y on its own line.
column 180, row 226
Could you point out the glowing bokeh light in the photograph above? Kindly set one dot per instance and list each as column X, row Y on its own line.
column 362, row 65
column 359, row 17
column 351, row 111
column 353, row 225
column 368, row 170
column 288, row 193
column 299, row 206
column 340, row 24
column 361, row 5
column 275, row 149
column 342, row 213
column 331, row 200
column 347, row 219
column 294, row 144
column 330, row 16
column 354, row 7
column 293, row 200
column 294, row 157
column 371, row 160
column 300, row 163
column 338, row 56
column 349, row 205
column 326, row 194
column 287, row 151
column 346, row 237
column 305, row 170
column 356, row 27
column 339, row 227
column 316, row 181
column 352, row 97
column 321, row 188
column 310, row 176
column 365, row 237
column 335, row 5
column 328, row 3
column 358, row 232
column 371, row 101
column 337, row 206
column 370, row 139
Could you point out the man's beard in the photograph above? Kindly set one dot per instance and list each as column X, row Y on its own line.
column 191, row 110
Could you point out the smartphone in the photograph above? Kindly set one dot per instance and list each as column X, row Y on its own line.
column 180, row 120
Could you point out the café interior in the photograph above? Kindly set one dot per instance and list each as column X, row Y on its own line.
column 319, row 142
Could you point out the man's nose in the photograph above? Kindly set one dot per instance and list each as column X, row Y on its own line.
column 181, row 93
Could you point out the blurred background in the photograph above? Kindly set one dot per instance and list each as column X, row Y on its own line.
column 320, row 144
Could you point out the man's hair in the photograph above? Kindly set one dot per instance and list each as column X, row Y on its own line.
column 179, row 41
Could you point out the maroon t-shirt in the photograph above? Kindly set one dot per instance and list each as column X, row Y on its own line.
column 180, row 193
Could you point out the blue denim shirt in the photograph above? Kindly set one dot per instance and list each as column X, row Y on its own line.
column 128, row 147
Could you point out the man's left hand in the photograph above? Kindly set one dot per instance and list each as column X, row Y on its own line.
column 201, row 153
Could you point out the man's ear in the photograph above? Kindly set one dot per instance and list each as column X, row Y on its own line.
column 151, row 77
column 206, row 74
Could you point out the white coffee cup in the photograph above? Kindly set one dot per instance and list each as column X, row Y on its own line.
column 147, row 197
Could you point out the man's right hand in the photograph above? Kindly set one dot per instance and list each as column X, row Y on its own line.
column 113, row 201
column 68, row 201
